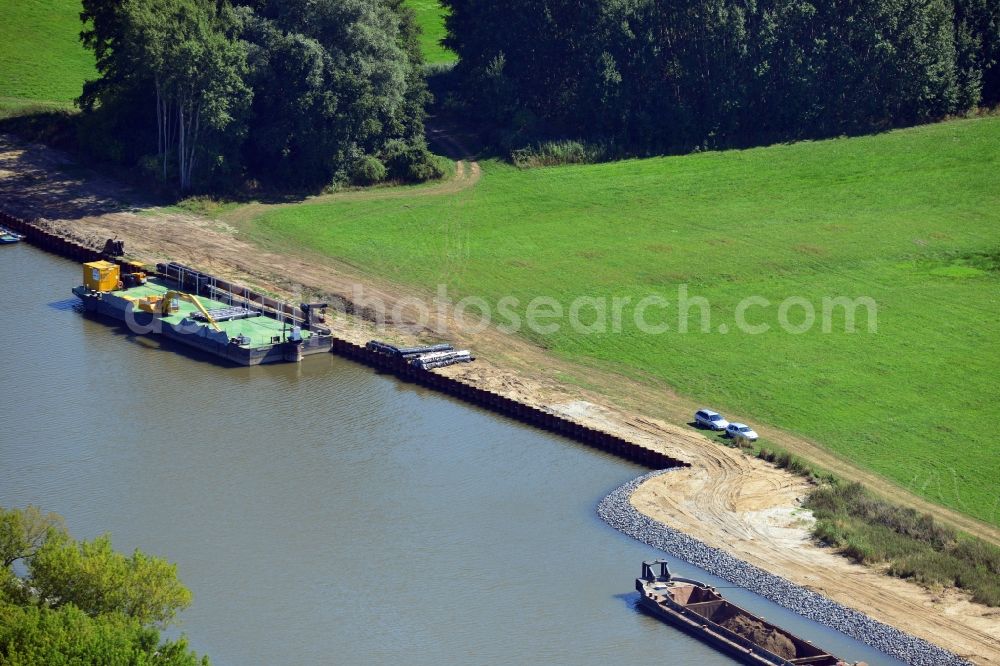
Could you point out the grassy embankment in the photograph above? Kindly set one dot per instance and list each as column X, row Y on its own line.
column 908, row 218
column 910, row 545
column 899, row 540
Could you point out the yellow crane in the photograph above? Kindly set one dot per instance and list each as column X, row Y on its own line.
column 164, row 305
column 190, row 298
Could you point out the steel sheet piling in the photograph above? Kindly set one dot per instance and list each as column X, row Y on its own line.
column 372, row 356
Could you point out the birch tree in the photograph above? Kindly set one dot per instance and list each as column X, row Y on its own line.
column 185, row 54
column 292, row 93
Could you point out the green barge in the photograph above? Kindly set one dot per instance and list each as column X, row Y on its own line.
column 228, row 328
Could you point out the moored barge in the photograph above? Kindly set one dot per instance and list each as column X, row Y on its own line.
column 234, row 332
column 701, row 611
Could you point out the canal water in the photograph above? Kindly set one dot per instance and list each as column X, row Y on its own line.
column 322, row 513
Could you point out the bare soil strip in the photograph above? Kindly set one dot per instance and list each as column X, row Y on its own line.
column 725, row 499
column 758, row 523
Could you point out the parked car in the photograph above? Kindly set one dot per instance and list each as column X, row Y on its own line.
column 706, row 418
column 736, row 430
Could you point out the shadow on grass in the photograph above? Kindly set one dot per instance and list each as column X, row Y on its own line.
column 42, row 124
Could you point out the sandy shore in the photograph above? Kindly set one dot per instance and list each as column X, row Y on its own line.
column 726, row 499
column 618, row 510
column 761, row 525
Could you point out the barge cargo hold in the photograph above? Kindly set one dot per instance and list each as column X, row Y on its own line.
column 701, row 611
column 154, row 306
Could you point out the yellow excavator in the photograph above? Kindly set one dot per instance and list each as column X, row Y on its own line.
column 167, row 305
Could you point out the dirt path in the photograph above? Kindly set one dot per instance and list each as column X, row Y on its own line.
column 726, row 499
column 467, row 174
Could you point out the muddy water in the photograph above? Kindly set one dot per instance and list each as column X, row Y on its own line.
column 322, row 513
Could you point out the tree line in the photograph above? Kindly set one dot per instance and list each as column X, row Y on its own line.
column 64, row 601
column 282, row 93
column 208, row 94
column 652, row 76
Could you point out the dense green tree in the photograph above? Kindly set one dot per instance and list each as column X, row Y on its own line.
column 665, row 75
column 526, row 63
column 290, row 93
column 977, row 41
column 81, row 602
column 847, row 66
column 40, row 636
column 96, row 579
column 178, row 59
column 335, row 81
column 679, row 71
column 24, row 531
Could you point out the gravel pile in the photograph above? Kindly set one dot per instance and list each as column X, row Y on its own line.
column 617, row 511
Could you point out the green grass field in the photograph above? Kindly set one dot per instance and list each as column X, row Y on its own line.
column 42, row 62
column 909, row 219
column 430, row 17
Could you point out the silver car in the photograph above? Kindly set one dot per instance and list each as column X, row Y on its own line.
column 706, row 418
column 741, row 430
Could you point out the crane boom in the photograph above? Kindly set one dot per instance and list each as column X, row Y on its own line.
column 190, row 298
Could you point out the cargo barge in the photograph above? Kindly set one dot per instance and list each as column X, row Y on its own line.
column 701, row 611
column 229, row 328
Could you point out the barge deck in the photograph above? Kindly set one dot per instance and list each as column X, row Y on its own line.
column 240, row 335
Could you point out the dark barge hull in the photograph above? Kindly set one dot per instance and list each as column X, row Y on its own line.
column 123, row 312
column 702, row 633
column 658, row 596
